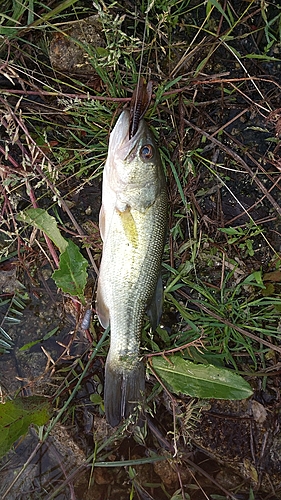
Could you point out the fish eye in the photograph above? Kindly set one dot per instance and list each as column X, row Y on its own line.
column 147, row 152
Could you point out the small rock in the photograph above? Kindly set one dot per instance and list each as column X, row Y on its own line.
column 67, row 52
column 166, row 471
column 259, row 411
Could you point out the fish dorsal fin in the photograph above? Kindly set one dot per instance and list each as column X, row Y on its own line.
column 154, row 311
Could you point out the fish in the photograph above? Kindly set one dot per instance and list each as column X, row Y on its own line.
column 133, row 226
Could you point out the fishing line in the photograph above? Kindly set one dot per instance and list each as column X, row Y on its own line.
column 142, row 53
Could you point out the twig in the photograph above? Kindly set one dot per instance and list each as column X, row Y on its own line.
column 173, row 401
column 50, row 185
column 228, row 323
column 176, row 349
column 37, row 447
column 239, row 160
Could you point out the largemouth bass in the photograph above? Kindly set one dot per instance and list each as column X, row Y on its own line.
column 133, row 220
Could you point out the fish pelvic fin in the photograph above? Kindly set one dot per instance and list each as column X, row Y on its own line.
column 123, row 389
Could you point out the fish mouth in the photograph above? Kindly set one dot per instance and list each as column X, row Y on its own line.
column 123, row 147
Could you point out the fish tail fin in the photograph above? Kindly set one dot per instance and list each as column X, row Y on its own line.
column 123, row 390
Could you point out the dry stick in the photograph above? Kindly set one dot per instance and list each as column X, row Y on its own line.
column 34, row 201
column 246, row 211
column 195, row 343
column 64, row 95
column 61, row 464
column 223, row 127
column 247, row 98
column 266, row 192
column 192, row 82
column 72, row 218
column 248, row 75
column 173, row 402
column 51, row 186
column 275, row 183
column 253, row 159
column 239, row 160
column 228, row 323
column 37, row 447
column 230, row 122
column 165, row 443
column 197, row 468
column 10, row 158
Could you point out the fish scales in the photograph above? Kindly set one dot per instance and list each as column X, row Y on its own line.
column 133, row 223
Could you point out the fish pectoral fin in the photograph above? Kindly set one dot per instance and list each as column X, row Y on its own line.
column 154, row 311
column 123, row 390
column 101, row 309
column 102, row 223
column 129, row 226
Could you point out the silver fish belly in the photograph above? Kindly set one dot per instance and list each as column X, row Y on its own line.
column 133, row 220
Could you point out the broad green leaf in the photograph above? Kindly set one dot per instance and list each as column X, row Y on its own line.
column 42, row 220
column 178, row 495
column 96, row 399
column 16, row 416
column 71, row 276
column 201, row 381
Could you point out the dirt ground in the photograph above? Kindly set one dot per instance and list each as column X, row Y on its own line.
column 217, row 119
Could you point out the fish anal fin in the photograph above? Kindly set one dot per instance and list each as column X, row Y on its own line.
column 154, row 310
column 129, row 226
column 123, row 390
column 101, row 309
